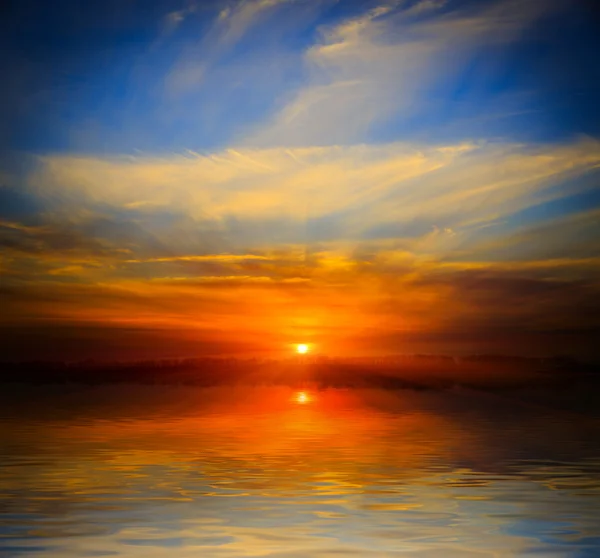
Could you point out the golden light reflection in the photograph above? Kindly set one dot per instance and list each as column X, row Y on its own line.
column 356, row 456
column 275, row 425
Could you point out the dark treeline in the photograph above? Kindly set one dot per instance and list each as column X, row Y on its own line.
column 410, row 371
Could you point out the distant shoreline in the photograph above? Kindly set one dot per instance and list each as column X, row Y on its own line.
column 439, row 372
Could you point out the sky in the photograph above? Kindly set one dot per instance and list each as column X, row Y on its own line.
column 181, row 178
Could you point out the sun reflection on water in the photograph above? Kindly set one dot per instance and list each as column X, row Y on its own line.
column 367, row 468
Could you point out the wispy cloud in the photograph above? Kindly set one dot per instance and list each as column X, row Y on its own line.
column 205, row 258
column 385, row 64
column 257, row 198
column 172, row 20
column 303, row 183
column 418, row 241
column 229, row 27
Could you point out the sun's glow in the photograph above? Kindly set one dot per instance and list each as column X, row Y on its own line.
column 302, row 397
column 302, row 349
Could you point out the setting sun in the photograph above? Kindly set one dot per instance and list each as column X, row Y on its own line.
column 302, row 397
column 302, row 349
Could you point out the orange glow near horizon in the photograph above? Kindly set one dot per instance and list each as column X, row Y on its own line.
column 302, row 348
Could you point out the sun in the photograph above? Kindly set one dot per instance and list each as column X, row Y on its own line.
column 302, row 397
column 302, row 349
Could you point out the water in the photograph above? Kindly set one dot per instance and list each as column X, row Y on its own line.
column 196, row 472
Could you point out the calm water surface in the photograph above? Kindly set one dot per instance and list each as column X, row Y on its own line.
column 195, row 472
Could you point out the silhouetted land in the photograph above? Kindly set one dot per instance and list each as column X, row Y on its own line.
column 415, row 371
column 558, row 381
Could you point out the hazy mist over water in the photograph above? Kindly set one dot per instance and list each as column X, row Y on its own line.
column 150, row 471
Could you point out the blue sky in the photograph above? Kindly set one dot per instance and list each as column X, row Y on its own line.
column 166, row 76
column 418, row 167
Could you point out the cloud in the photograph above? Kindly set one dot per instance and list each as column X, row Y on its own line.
column 206, row 258
column 172, row 20
column 388, row 63
column 392, row 241
column 236, row 201
column 572, row 236
column 230, row 26
column 291, row 214
column 390, row 295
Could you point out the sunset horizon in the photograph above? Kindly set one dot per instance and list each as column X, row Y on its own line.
column 232, row 177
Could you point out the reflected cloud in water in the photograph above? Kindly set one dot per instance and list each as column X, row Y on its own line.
column 222, row 472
